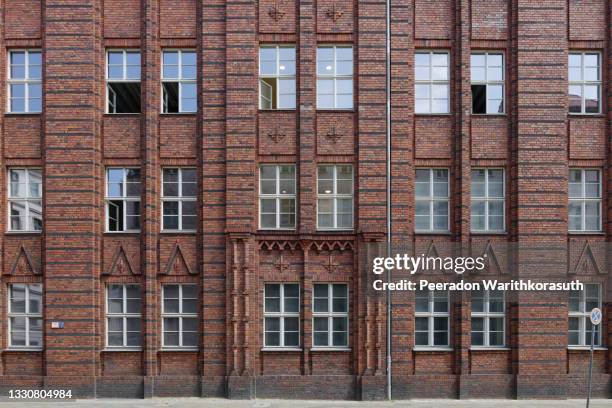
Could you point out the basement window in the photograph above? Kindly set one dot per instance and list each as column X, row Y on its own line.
column 179, row 93
column 123, row 81
column 487, row 71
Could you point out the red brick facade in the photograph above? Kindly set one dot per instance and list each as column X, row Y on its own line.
column 74, row 141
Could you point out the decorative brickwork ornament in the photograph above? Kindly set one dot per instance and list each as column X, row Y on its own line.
column 333, row 12
column 277, row 135
column 275, row 13
column 333, row 135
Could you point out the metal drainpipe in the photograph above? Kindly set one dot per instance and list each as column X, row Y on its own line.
column 389, row 232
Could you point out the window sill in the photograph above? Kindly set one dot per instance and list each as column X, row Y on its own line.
column 433, row 114
column 587, row 348
column 588, row 115
column 266, row 230
column 282, row 349
column 432, row 348
column 121, row 232
column 169, row 232
column 278, row 110
column 22, row 349
column 347, row 110
column 432, row 232
column 180, row 349
column 333, row 230
column 488, row 232
column 344, row 349
column 23, row 232
column 485, row 348
column 122, row 349
column 22, row 113
column 178, row 113
column 484, row 115
column 586, row 233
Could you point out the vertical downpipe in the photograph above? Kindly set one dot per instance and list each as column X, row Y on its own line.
column 389, row 232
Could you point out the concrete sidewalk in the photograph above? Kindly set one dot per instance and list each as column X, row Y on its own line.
column 223, row 403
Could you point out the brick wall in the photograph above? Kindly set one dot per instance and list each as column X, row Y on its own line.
column 230, row 260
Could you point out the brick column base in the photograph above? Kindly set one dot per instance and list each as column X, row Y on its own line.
column 240, row 387
column 373, row 388
column 541, row 386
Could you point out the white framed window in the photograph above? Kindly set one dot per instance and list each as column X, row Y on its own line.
column 487, row 72
column 581, row 302
column 277, row 196
column 432, row 200
column 488, row 200
column 335, row 197
column 122, row 199
column 282, row 315
column 330, row 320
column 432, row 318
column 24, row 81
column 584, row 200
column 488, row 318
column 123, row 319
column 180, row 316
column 584, row 87
column 179, row 202
column 277, row 77
column 25, row 200
column 431, row 82
column 122, row 81
column 334, row 77
column 25, row 315
column 179, row 88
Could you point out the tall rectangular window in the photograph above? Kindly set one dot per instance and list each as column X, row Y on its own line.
column 122, row 199
column 487, row 83
column 431, row 82
column 432, row 200
column 335, row 197
column 179, row 203
column 123, row 81
column 581, row 302
column 277, row 77
column 488, row 200
column 25, row 315
column 123, row 316
column 277, row 196
column 584, row 200
column 25, row 200
column 25, row 81
column 330, row 315
column 334, row 77
column 179, row 88
column 282, row 315
column 180, row 316
column 432, row 318
column 584, row 82
column 488, row 318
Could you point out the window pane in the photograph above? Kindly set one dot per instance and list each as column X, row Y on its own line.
column 18, row 298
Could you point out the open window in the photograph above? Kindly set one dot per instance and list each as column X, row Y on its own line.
column 487, row 73
column 123, row 81
column 277, row 77
column 179, row 90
